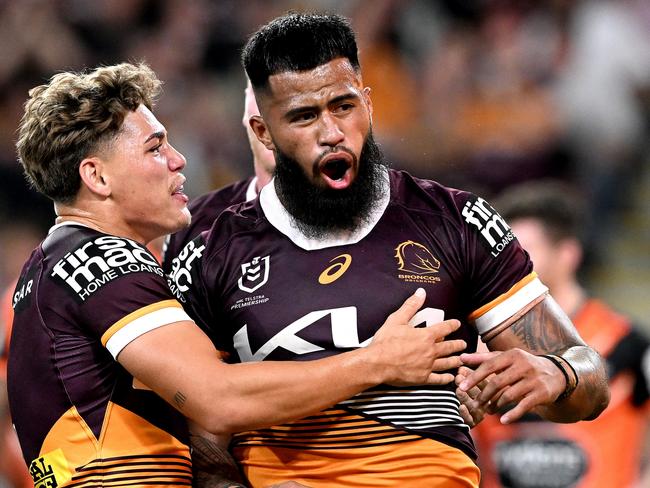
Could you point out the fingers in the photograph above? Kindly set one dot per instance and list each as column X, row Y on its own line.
column 488, row 364
column 409, row 308
column 444, row 328
column 470, row 409
column 445, row 364
column 439, row 379
column 477, row 358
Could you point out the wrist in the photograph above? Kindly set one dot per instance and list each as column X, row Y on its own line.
column 372, row 370
column 569, row 373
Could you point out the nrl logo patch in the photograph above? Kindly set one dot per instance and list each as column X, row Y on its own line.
column 254, row 274
column 416, row 262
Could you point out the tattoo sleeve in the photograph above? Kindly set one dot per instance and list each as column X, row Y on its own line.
column 546, row 329
column 213, row 465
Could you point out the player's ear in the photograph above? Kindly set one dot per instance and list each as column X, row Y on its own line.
column 368, row 100
column 93, row 175
column 261, row 131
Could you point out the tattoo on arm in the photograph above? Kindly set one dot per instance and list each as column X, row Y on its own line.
column 179, row 400
column 546, row 329
column 213, row 465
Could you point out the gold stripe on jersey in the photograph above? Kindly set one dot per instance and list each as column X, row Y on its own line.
column 129, row 452
column 141, row 321
column 332, row 429
column 494, row 313
column 422, row 463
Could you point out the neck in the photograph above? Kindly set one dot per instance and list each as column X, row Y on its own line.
column 94, row 220
column 263, row 178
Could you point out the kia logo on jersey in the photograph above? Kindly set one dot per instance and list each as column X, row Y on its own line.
column 254, row 274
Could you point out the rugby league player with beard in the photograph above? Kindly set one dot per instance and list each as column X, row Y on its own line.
column 336, row 241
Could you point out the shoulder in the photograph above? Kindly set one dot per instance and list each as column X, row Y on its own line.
column 427, row 195
column 204, row 210
column 218, row 200
column 236, row 220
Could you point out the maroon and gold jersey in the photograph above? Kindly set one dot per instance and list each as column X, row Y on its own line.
column 264, row 291
column 81, row 418
column 205, row 209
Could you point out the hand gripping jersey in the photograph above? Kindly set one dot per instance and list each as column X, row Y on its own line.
column 205, row 209
column 263, row 291
column 603, row 453
column 82, row 419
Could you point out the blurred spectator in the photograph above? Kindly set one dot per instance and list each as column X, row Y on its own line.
column 599, row 88
column 607, row 452
column 491, row 105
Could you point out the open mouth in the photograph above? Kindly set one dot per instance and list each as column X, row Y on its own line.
column 335, row 169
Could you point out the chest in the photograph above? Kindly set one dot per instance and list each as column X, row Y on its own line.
column 282, row 302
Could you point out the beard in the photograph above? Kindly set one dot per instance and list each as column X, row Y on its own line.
column 318, row 211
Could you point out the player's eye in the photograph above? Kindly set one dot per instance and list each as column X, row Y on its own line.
column 302, row 117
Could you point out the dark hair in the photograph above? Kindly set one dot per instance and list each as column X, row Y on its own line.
column 74, row 115
column 298, row 42
column 558, row 206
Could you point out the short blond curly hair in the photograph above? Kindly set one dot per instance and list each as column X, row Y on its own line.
column 74, row 116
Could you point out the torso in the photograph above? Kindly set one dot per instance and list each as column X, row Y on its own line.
column 79, row 415
column 271, row 299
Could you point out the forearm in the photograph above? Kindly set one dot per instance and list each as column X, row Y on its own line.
column 180, row 364
column 540, row 351
column 591, row 395
column 252, row 395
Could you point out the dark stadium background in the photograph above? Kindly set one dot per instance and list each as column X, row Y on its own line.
column 478, row 94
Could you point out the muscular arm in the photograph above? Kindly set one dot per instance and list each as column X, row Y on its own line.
column 180, row 363
column 531, row 382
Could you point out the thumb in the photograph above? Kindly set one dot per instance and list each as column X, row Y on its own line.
column 409, row 308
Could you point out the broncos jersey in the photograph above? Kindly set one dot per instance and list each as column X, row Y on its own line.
column 264, row 291
column 81, row 418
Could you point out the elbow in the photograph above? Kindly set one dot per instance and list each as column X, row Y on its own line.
column 221, row 419
column 600, row 394
column 602, row 401
column 217, row 425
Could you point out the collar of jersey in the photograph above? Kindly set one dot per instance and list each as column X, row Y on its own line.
column 251, row 191
column 281, row 219
column 65, row 224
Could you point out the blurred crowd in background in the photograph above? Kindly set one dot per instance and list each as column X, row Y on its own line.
column 478, row 94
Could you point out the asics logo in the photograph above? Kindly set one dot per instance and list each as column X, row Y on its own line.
column 336, row 270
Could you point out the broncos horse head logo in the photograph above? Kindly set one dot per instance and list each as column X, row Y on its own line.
column 413, row 257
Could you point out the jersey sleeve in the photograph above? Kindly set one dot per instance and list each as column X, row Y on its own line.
column 114, row 288
column 501, row 280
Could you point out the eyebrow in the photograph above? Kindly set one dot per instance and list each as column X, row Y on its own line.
column 341, row 98
column 156, row 135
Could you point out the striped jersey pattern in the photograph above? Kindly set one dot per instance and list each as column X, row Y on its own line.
column 159, row 470
column 371, row 418
column 410, row 409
